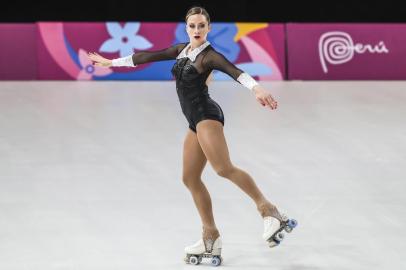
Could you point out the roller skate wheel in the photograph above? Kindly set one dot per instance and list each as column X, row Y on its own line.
column 288, row 229
column 216, row 261
column 279, row 236
column 292, row 223
column 285, row 218
column 193, row 260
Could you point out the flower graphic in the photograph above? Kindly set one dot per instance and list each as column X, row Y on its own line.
column 88, row 70
column 124, row 39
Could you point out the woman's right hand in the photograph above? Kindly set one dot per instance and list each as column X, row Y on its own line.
column 99, row 60
column 264, row 97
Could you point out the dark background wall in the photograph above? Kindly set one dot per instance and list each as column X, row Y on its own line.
column 220, row 10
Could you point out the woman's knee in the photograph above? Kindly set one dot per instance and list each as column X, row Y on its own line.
column 191, row 181
column 225, row 171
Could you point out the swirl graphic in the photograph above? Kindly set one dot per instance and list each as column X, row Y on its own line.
column 335, row 48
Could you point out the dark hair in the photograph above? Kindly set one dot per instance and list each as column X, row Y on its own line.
column 198, row 10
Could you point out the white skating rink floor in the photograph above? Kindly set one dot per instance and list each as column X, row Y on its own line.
column 90, row 176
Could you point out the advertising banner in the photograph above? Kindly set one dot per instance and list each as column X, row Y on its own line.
column 18, row 51
column 346, row 51
column 257, row 48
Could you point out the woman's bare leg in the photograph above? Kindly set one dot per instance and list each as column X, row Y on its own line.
column 212, row 141
column 194, row 162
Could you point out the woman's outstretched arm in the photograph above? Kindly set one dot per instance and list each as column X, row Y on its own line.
column 217, row 61
column 138, row 57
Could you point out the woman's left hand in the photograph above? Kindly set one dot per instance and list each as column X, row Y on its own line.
column 265, row 98
column 99, row 60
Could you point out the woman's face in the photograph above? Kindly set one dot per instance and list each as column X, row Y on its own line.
column 197, row 28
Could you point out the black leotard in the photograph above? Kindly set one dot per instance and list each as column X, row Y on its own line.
column 191, row 79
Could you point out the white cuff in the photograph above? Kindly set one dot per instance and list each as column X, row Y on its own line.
column 246, row 80
column 123, row 62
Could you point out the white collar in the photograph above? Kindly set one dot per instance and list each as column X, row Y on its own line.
column 194, row 53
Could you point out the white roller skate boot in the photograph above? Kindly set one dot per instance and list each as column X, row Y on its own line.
column 274, row 224
column 204, row 249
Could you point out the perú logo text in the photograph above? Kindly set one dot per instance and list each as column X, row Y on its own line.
column 337, row 48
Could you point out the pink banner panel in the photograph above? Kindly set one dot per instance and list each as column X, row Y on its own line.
column 18, row 51
column 346, row 51
column 257, row 48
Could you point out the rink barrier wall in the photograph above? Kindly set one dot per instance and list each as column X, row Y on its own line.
column 18, row 52
column 267, row 51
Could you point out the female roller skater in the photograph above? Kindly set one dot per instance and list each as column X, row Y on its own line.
column 205, row 140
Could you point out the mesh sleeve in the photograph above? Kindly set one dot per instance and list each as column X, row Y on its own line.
column 162, row 55
column 217, row 61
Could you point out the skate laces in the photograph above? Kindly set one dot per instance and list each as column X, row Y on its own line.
column 284, row 217
column 267, row 209
column 209, row 237
column 208, row 244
